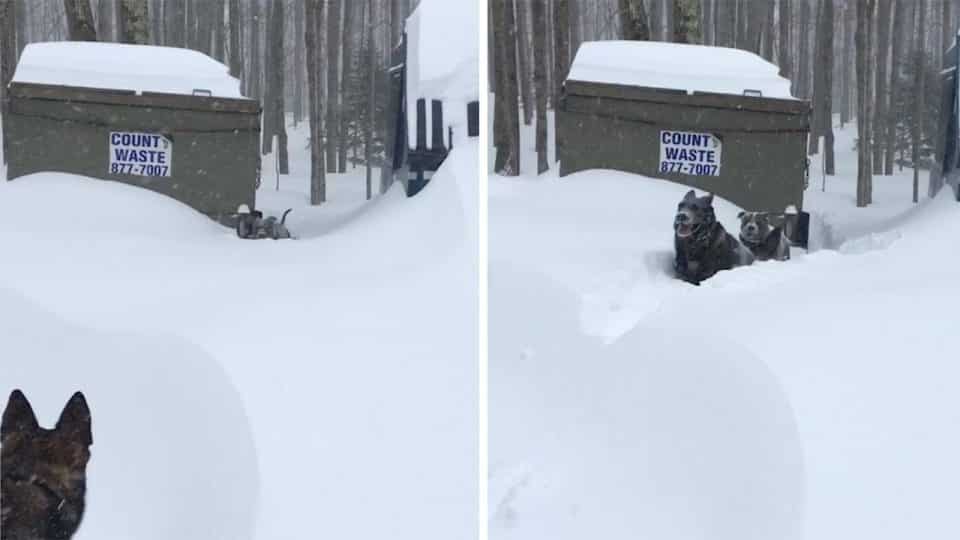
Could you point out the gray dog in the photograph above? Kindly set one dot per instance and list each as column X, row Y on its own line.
column 252, row 225
column 703, row 247
column 763, row 234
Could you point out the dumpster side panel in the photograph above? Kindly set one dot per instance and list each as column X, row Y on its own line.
column 215, row 158
column 763, row 164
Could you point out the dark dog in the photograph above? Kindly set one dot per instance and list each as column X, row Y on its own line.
column 763, row 234
column 43, row 483
column 703, row 247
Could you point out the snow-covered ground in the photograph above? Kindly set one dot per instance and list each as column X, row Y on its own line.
column 318, row 388
column 806, row 399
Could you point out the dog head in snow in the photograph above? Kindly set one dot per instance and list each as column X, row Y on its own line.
column 694, row 215
column 756, row 227
column 43, row 482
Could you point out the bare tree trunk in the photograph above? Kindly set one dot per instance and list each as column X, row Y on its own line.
column 846, row 62
column 706, row 23
column 155, row 19
column 523, row 58
column 176, row 23
column 803, row 67
column 80, row 20
column 883, row 52
column 686, row 17
column 314, row 22
column 105, row 20
column 890, row 133
column 576, row 26
column 298, row 81
column 8, row 53
column 669, row 20
column 785, row 51
column 918, row 89
column 505, row 42
column 743, row 18
column 218, row 26
column 540, row 81
column 133, row 22
column 236, row 55
column 278, row 72
column 633, row 20
column 726, row 15
column 333, row 70
column 865, row 11
column 269, row 83
column 656, row 19
column 817, row 121
column 769, row 23
column 561, row 28
column 371, row 103
column 826, row 61
column 347, row 38
column 256, row 72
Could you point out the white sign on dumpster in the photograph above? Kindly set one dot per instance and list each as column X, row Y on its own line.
column 688, row 152
column 140, row 154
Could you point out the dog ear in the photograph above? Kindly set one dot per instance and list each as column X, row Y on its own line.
column 741, row 214
column 690, row 195
column 75, row 420
column 709, row 198
column 18, row 417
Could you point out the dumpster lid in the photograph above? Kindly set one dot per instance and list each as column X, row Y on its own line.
column 677, row 66
column 118, row 66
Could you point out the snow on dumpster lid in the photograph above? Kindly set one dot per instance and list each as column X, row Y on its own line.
column 694, row 68
column 118, row 66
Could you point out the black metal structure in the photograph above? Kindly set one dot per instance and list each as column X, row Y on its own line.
column 948, row 140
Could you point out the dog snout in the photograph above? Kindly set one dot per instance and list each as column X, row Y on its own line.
column 751, row 227
column 682, row 218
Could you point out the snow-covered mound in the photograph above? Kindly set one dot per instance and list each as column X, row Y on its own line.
column 61, row 203
column 666, row 434
column 173, row 453
column 694, row 68
column 118, row 66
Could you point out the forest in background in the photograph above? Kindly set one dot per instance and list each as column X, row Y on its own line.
column 319, row 61
column 873, row 62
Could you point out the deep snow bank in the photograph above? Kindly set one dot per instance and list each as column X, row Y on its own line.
column 665, row 434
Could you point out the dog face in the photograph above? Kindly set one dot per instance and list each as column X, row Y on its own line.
column 693, row 214
column 755, row 227
column 43, row 482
